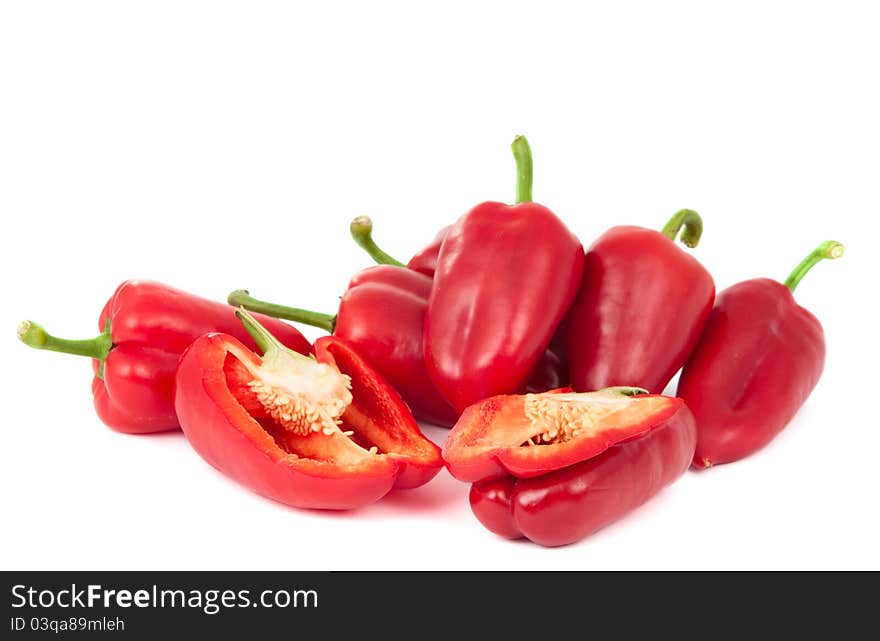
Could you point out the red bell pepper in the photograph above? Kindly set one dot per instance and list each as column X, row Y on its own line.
column 533, row 434
column 642, row 306
column 551, row 371
column 325, row 432
column 145, row 326
column 380, row 316
column 571, row 503
column 760, row 356
column 506, row 275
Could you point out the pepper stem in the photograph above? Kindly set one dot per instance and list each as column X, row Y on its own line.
column 361, row 229
column 523, row 155
column 271, row 347
column 830, row 249
column 693, row 227
column 33, row 335
column 242, row 298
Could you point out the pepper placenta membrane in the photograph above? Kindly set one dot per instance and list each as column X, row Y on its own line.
column 314, row 432
column 505, row 276
column 533, row 434
column 569, row 504
column 642, row 306
column 145, row 327
column 757, row 362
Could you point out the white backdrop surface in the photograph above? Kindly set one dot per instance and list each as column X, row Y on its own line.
column 221, row 145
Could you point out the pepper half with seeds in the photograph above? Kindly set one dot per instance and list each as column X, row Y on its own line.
column 533, row 434
column 322, row 431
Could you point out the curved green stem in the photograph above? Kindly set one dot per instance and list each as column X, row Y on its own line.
column 523, row 155
column 242, row 298
column 693, row 227
column 830, row 249
column 361, row 229
column 274, row 351
column 34, row 335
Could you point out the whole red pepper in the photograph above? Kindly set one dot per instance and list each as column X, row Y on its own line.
column 145, row 327
column 325, row 432
column 556, row 467
column 505, row 277
column 759, row 358
column 381, row 316
column 551, row 371
column 642, row 305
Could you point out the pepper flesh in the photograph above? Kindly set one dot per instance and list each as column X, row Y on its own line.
column 365, row 442
column 760, row 357
column 146, row 327
column 505, row 277
column 567, row 505
column 533, row 434
column 641, row 308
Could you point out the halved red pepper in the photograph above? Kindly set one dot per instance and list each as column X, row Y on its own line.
column 758, row 360
column 325, row 432
column 533, row 434
column 571, row 503
column 642, row 305
column 145, row 327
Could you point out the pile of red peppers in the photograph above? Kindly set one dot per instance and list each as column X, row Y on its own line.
column 548, row 362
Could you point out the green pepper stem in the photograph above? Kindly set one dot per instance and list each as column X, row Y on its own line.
column 273, row 350
column 242, row 298
column 362, row 231
column 33, row 335
column 830, row 249
column 693, row 227
column 523, row 155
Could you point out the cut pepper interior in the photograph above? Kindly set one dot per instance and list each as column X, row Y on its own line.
column 305, row 418
column 532, row 434
column 328, row 408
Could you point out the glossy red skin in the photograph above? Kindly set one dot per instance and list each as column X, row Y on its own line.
column 151, row 325
column 552, row 369
column 642, row 306
column 381, row 315
column 228, row 437
column 760, row 356
column 570, row 504
column 506, row 275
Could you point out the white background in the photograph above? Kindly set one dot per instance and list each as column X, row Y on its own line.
column 222, row 145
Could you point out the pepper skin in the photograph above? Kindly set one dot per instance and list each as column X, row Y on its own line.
column 569, row 504
column 505, row 277
column 381, row 316
column 642, row 306
column 145, row 327
column 758, row 360
column 533, row 434
column 323, row 433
